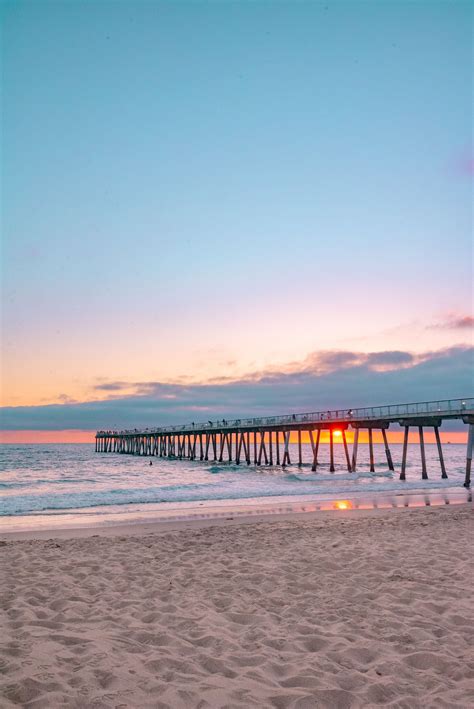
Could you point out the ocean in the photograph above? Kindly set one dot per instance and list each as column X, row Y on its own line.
column 69, row 484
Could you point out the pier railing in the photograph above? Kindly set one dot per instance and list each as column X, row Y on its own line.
column 445, row 408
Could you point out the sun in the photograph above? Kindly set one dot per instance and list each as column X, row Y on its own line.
column 337, row 434
column 343, row 505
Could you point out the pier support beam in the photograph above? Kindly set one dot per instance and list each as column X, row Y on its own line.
column 286, row 451
column 370, row 425
column 424, row 473
column 315, row 451
column 354, row 450
column 440, row 453
column 404, row 454
column 470, row 443
column 331, row 451
column 371, row 451
column 300, row 456
column 311, row 440
column 387, row 451
column 262, row 449
column 238, row 446
column 346, row 451
column 420, row 422
column 223, row 437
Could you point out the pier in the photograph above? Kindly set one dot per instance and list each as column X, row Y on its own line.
column 266, row 440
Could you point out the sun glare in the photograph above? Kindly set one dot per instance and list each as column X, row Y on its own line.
column 338, row 434
column 343, row 505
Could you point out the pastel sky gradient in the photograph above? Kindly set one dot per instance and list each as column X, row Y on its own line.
column 221, row 208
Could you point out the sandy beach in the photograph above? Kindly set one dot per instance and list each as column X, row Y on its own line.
column 332, row 610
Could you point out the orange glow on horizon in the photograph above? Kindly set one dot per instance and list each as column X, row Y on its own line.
column 343, row 505
column 395, row 437
column 47, row 436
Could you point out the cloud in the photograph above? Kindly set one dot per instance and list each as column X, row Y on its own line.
column 327, row 361
column 332, row 361
column 66, row 399
column 393, row 358
column 323, row 380
column 112, row 386
column 158, row 389
column 454, row 322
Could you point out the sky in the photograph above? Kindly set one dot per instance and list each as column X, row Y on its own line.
column 233, row 208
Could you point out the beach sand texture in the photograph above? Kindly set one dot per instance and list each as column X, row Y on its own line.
column 357, row 611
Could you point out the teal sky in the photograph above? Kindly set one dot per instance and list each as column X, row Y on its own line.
column 205, row 189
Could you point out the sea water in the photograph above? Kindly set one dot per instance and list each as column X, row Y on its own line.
column 72, row 482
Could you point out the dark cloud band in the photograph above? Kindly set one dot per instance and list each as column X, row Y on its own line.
column 318, row 383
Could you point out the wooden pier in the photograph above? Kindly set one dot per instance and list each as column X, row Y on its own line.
column 267, row 440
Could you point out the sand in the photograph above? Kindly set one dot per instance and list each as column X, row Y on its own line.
column 353, row 611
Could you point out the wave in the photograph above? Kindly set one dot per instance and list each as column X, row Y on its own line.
column 36, row 481
column 199, row 493
column 294, row 477
column 59, row 479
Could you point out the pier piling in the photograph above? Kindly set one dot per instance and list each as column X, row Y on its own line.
column 332, row 469
column 440, row 453
column 346, row 451
column 424, row 472
column 371, row 451
column 404, row 454
column 354, row 450
column 387, row 451
column 470, row 442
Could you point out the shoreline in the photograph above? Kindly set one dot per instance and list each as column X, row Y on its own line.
column 234, row 514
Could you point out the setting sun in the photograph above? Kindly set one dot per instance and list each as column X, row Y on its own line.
column 343, row 505
column 337, row 434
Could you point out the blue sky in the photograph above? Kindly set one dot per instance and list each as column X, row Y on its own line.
column 209, row 190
